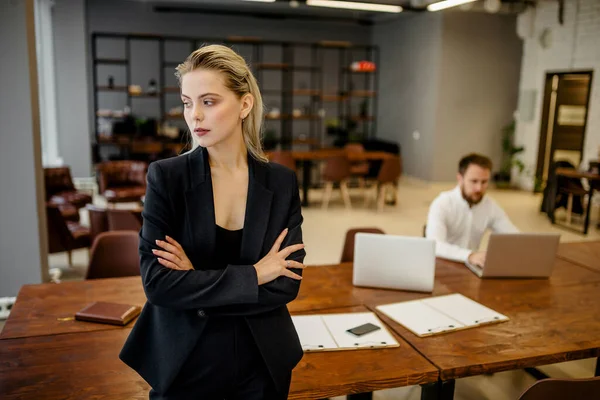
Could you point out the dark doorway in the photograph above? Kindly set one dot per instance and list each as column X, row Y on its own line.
column 564, row 119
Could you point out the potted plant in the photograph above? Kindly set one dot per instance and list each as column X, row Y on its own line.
column 509, row 151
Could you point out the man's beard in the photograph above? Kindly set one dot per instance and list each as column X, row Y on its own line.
column 472, row 201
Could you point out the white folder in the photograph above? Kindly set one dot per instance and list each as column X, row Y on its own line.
column 313, row 333
column 329, row 332
column 441, row 314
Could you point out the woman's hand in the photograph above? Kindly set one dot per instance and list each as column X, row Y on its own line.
column 274, row 264
column 173, row 255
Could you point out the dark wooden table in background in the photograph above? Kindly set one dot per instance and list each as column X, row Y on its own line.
column 586, row 254
column 307, row 157
column 592, row 178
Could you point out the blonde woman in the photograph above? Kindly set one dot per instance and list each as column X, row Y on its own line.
column 221, row 249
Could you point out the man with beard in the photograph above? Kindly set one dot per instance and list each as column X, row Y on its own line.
column 458, row 218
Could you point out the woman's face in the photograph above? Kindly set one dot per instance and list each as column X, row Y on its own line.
column 212, row 112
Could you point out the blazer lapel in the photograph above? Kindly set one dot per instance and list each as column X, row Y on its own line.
column 200, row 206
column 258, row 209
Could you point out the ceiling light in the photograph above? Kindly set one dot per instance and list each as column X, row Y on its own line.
column 262, row 1
column 351, row 5
column 492, row 6
column 447, row 4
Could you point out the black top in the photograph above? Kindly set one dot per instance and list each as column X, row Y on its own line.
column 228, row 247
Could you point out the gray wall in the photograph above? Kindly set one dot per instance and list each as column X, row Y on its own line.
column 409, row 84
column 479, row 87
column 70, row 46
column 452, row 77
column 22, row 253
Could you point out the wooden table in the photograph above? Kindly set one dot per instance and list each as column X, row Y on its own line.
column 449, row 274
column 318, row 292
column 572, row 173
column 128, row 145
column 551, row 320
column 309, row 156
column 335, row 373
column 47, row 309
column 547, row 325
column 586, row 254
column 52, row 358
column 522, row 342
column 324, row 154
column 68, row 366
column 86, row 365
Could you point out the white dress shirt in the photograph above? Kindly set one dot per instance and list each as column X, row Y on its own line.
column 458, row 228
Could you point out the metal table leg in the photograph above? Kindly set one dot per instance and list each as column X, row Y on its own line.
column 430, row 391
column 447, row 390
column 588, row 209
column 536, row 373
column 360, row 396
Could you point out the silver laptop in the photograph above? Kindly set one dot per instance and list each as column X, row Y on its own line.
column 519, row 255
column 394, row 262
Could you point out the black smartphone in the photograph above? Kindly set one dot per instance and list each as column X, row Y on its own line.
column 363, row 329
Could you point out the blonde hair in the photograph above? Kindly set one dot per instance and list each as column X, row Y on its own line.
column 238, row 79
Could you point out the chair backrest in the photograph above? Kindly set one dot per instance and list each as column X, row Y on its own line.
column 121, row 173
column 559, row 389
column 336, row 169
column 348, row 251
column 56, row 180
column 390, row 171
column 98, row 220
column 284, row 158
column 123, row 220
column 59, row 235
column 114, row 255
column 354, row 148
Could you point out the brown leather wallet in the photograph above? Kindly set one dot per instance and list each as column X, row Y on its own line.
column 108, row 313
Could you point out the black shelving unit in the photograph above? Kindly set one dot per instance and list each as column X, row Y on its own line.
column 314, row 95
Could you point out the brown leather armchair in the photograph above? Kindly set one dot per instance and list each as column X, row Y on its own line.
column 68, row 211
column 122, row 181
column 124, row 220
column 61, row 192
column 65, row 235
column 98, row 218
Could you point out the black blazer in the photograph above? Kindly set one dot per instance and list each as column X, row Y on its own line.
column 179, row 203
